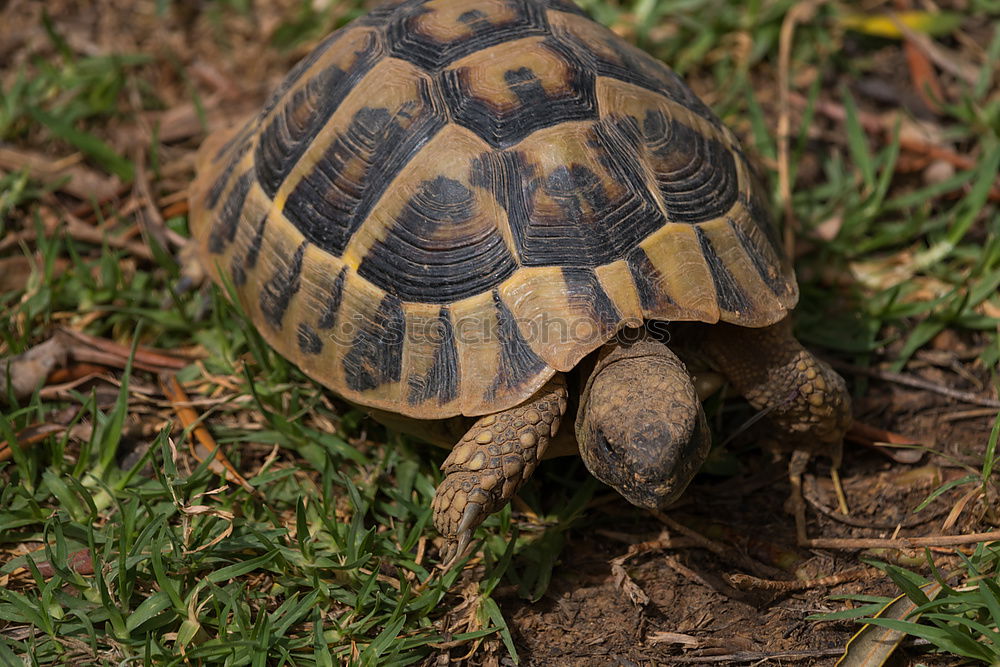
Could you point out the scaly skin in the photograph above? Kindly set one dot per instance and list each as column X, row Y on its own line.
column 802, row 395
column 492, row 461
column 640, row 427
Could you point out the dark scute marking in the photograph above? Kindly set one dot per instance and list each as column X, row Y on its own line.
column 228, row 218
column 730, row 295
column 328, row 204
column 634, row 66
column 239, row 138
column 585, row 289
column 277, row 292
column 512, row 180
column 293, row 127
column 295, row 74
column 764, row 259
column 407, row 43
column 695, row 174
column 760, row 214
column 526, row 86
column 329, row 316
column 476, row 20
column 309, row 340
column 253, row 252
column 518, row 362
column 238, row 271
column 437, row 251
column 537, row 109
column 376, row 355
column 239, row 150
column 598, row 217
column 441, row 381
column 644, row 275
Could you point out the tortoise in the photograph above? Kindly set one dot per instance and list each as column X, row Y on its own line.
column 486, row 220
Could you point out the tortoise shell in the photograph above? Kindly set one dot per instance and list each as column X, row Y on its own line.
column 448, row 201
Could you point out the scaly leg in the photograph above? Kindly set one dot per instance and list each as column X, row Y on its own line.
column 492, row 461
column 803, row 396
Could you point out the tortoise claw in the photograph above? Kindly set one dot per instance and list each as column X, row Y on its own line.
column 459, row 543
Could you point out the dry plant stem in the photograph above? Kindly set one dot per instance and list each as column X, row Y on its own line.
column 756, row 657
column 691, row 575
column 798, row 13
column 146, row 358
column 81, row 231
column 29, row 437
column 745, row 582
column 917, row 383
column 900, row 542
column 796, row 467
column 150, row 219
column 725, row 552
column 220, row 465
column 968, row 414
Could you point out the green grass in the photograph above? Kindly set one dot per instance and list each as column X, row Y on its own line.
column 326, row 571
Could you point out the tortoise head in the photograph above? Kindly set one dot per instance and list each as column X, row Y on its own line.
column 640, row 425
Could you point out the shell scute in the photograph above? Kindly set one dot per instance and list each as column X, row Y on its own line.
column 448, row 201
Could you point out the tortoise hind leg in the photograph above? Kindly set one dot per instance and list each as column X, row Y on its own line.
column 491, row 462
column 802, row 395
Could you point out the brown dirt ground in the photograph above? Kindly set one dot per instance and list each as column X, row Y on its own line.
column 587, row 616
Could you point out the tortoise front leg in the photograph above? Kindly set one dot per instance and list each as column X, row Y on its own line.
column 802, row 395
column 492, row 461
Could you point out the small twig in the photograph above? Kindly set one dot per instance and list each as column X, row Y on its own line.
column 916, row 383
column 745, row 582
column 81, row 231
column 148, row 215
column 727, row 553
column 756, row 656
column 220, row 465
column 900, row 542
column 691, row 575
column 797, row 463
column 968, row 414
column 115, row 354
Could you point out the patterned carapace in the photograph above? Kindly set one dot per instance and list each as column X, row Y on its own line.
column 449, row 200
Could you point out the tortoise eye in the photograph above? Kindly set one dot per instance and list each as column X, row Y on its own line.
column 605, row 447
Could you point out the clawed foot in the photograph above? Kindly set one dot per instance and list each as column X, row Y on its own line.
column 490, row 463
column 460, row 505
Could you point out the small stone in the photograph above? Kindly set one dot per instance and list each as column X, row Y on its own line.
column 485, row 438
